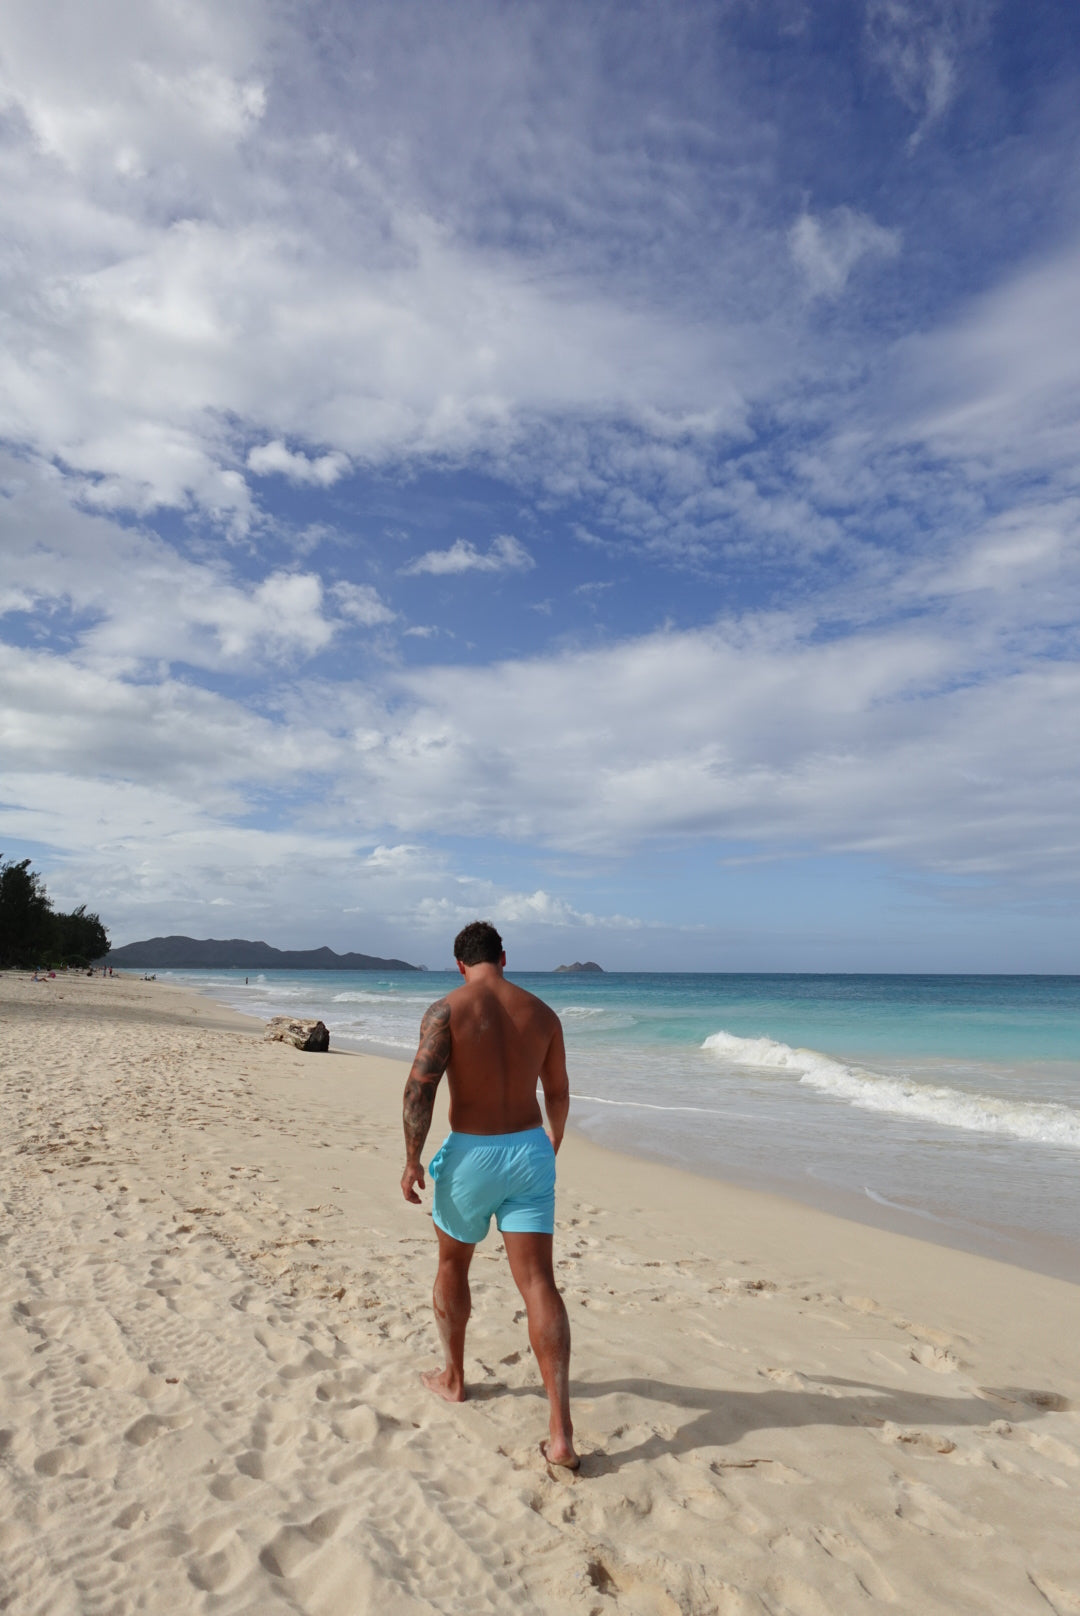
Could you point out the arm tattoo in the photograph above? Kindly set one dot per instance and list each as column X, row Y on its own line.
column 431, row 1061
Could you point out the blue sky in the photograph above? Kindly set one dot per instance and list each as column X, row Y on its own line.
column 611, row 469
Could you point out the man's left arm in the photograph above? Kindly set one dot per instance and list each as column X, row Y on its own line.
column 432, row 1059
column 556, row 1086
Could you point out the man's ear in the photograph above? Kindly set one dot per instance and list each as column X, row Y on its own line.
column 460, row 967
column 502, row 960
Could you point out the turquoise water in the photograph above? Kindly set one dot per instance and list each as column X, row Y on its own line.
column 946, row 1106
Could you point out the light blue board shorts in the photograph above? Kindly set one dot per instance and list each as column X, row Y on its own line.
column 509, row 1174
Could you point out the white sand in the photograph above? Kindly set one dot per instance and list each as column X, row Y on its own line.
column 214, row 1303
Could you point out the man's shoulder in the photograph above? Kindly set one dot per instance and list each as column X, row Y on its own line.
column 437, row 1010
column 532, row 1001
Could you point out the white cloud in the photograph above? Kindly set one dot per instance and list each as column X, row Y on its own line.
column 506, row 554
column 192, row 268
column 518, row 909
column 321, row 471
column 828, row 248
column 938, row 745
column 362, row 604
column 80, row 722
column 137, row 601
column 918, row 43
column 402, row 856
column 1032, row 548
column 926, row 743
column 1000, row 384
column 119, row 89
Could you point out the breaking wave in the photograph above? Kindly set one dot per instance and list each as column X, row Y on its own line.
column 1041, row 1123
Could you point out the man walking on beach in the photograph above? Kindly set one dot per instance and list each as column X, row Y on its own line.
column 493, row 1040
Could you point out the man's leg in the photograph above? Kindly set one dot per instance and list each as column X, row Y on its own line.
column 453, row 1304
column 549, row 1334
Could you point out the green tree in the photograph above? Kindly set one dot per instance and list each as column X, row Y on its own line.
column 25, row 916
column 31, row 933
column 79, row 938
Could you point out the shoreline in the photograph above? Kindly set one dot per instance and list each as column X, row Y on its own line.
column 216, row 1304
column 1015, row 1247
column 1031, row 1250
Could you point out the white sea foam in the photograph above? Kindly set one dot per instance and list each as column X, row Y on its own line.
column 648, row 1105
column 904, row 1206
column 1042, row 1123
column 359, row 996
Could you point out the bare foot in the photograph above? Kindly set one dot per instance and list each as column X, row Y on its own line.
column 560, row 1453
column 444, row 1385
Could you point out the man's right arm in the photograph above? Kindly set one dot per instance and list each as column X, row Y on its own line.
column 432, row 1058
column 556, row 1085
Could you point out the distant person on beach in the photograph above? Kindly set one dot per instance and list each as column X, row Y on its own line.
column 493, row 1040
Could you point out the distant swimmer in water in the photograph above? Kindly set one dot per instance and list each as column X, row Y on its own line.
column 493, row 1040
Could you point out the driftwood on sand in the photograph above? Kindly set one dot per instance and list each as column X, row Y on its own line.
column 302, row 1034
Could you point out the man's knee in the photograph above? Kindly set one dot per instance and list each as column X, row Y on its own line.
column 539, row 1291
column 453, row 1270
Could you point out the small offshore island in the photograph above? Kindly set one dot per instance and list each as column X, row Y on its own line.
column 578, row 965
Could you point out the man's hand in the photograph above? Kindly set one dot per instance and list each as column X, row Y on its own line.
column 411, row 1180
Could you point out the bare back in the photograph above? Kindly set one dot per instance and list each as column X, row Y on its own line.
column 501, row 1040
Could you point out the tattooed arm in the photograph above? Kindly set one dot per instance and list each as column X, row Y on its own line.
column 431, row 1062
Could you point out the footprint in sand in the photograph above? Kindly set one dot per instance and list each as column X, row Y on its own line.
column 931, row 1357
column 1050, row 1448
column 1040, row 1442
column 286, row 1552
column 231, row 1489
column 359, row 1424
column 917, row 1441
column 862, row 1563
column 920, row 1506
column 343, row 1386
column 789, row 1378
column 150, row 1426
column 215, row 1573
column 648, row 1586
column 743, row 1287
column 57, row 1461
column 770, row 1470
column 133, row 1514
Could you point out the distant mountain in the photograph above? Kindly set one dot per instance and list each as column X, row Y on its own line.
column 580, row 965
column 191, row 953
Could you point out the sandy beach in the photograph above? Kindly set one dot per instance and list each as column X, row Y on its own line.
column 215, row 1305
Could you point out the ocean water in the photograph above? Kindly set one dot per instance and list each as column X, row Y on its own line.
column 943, row 1106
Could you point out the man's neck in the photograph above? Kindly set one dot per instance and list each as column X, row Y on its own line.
column 486, row 971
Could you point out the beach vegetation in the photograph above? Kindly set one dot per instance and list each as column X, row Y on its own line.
column 33, row 933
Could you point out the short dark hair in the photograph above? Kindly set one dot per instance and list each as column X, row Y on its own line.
column 478, row 943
